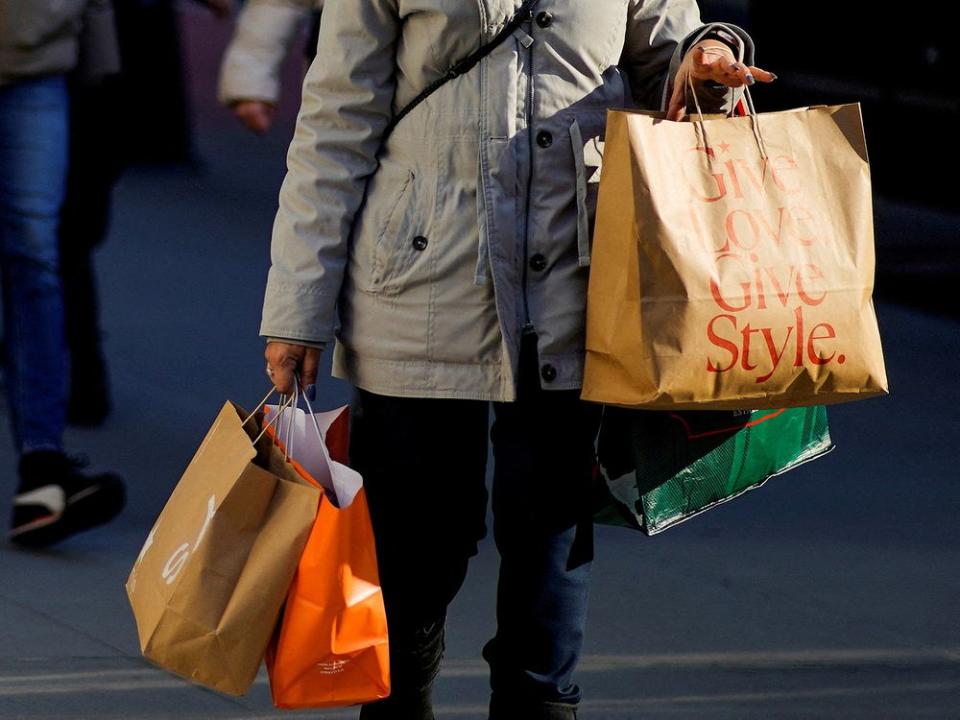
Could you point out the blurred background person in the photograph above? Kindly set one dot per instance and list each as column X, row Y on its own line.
column 94, row 165
column 41, row 42
column 266, row 31
column 139, row 114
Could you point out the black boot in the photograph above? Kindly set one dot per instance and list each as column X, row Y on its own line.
column 415, row 657
column 56, row 500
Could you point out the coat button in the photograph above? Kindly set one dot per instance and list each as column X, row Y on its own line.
column 419, row 243
column 544, row 139
column 544, row 19
column 538, row 263
column 548, row 373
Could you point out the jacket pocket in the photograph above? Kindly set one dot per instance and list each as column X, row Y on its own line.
column 397, row 242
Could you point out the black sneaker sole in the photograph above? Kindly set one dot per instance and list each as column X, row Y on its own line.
column 84, row 511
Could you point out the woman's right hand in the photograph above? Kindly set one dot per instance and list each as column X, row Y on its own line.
column 256, row 115
column 285, row 359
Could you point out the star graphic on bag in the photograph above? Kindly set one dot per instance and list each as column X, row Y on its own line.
column 724, row 147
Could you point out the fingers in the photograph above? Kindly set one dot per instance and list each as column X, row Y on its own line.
column 676, row 108
column 744, row 75
column 723, row 69
column 308, row 372
column 717, row 63
column 711, row 60
column 761, row 75
column 283, row 360
column 256, row 116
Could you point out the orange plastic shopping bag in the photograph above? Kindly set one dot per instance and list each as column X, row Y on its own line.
column 330, row 647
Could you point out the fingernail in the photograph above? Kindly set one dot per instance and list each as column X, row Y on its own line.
column 773, row 76
column 750, row 79
column 311, row 393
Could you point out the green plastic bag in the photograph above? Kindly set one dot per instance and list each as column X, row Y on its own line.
column 657, row 469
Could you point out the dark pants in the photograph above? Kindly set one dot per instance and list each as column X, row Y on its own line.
column 424, row 468
column 95, row 164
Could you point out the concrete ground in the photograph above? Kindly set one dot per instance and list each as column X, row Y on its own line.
column 832, row 592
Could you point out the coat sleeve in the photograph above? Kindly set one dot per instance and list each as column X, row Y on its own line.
column 659, row 32
column 264, row 34
column 347, row 103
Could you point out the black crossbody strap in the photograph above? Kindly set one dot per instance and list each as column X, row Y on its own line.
column 524, row 13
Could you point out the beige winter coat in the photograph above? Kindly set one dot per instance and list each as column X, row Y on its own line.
column 475, row 226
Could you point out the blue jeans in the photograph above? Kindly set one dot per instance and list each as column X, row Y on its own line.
column 33, row 172
column 423, row 463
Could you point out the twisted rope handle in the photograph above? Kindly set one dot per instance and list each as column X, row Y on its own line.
column 751, row 111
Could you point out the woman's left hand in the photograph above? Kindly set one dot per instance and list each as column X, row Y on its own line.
column 711, row 60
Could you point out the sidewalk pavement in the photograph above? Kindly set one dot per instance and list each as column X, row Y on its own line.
column 831, row 592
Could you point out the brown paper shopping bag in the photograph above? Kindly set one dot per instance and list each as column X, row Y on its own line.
column 214, row 572
column 733, row 263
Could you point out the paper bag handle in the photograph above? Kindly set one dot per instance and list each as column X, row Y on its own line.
column 313, row 415
column 751, row 111
column 286, row 402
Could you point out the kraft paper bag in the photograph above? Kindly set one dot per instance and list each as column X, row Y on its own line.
column 213, row 574
column 733, row 263
column 331, row 647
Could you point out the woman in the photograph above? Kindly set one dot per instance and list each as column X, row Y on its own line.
column 455, row 259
